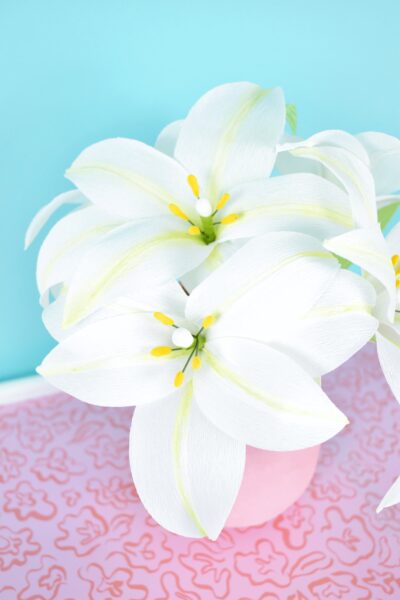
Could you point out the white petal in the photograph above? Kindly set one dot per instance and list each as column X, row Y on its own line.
column 269, row 278
column 67, row 242
column 388, row 347
column 44, row 214
column 262, row 398
column 108, row 363
column 131, row 257
column 300, row 202
column 130, row 179
column 348, row 164
column 368, row 249
column 391, row 497
column 166, row 140
column 335, row 328
column 384, row 154
column 230, row 136
column 186, row 471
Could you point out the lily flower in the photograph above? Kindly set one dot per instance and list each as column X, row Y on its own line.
column 219, row 369
column 179, row 217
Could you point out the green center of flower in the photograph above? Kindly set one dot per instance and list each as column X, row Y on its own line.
column 208, row 219
column 183, row 340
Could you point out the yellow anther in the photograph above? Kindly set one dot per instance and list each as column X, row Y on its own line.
column 222, row 201
column 196, row 362
column 194, row 185
column 395, row 259
column 179, row 377
column 163, row 318
column 193, row 230
column 174, row 208
column 398, row 283
column 161, row 351
column 208, row 321
column 229, row 219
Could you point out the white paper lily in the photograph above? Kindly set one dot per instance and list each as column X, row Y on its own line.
column 195, row 208
column 210, row 373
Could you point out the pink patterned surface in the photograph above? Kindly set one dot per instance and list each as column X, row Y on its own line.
column 72, row 526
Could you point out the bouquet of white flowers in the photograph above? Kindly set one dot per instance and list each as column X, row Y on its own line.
column 212, row 280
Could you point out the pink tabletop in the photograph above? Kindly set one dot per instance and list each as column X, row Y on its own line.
column 73, row 528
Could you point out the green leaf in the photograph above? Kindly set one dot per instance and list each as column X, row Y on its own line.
column 344, row 263
column 291, row 117
column 386, row 213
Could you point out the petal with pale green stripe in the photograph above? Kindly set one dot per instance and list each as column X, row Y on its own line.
column 186, row 471
column 262, row 397
column 230, row 136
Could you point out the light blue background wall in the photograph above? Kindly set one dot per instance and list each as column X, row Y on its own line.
column 75, row 71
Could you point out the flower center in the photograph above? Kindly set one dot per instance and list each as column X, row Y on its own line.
column 187, row 343
column 396, row 267
column 209, row 221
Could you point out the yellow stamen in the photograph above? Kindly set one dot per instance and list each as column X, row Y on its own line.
column 222, row 201
column 194, row 185
column 161, row 351
column 208, row 321
column 229, row 219
column 174, row 208
column 398, row 283
column 193, row 230
column 163, row 318
column 179, row 377
column 395, row 259
column 196, row 362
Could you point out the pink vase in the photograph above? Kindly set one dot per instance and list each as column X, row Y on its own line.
column 272, row 482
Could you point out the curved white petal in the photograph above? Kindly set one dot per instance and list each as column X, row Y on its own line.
column 44, row 214
column 67, row 242
column 335, row 328
column 108, row 363
column 186, row 471
column 384, row 154
column 131, row 257
column 368, row 249
column 347, row 162
column 388, row 347
column 393, row 240
column 130, row 179
column 298, row 202
column 230, row 136
column 167, row 138
column 268, row 279
column 262, row 398
column 391, row 497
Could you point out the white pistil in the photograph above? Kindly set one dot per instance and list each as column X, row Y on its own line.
column 182, row 338
column 203, row 207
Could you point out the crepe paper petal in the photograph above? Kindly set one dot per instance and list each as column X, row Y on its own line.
column 391, row 497
column 388, row 348
column 263, row 398
column 335, row 328
column 230, row 136
column 67, row 242
column 132, row 256
column 108, row 363
column 44, row 214
column 344, row 157
column 130, row 179
column 268, row 279
column 368, row 249
column 186, row 471
column 384, row 155
column 299, row 202
column 167, row 138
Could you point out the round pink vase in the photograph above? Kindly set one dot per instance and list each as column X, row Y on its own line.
column 272, row 481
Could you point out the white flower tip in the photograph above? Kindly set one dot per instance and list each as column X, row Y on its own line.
column 182, row 338
column 203, row 207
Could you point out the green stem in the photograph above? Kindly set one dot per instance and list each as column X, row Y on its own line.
column 207, row 229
